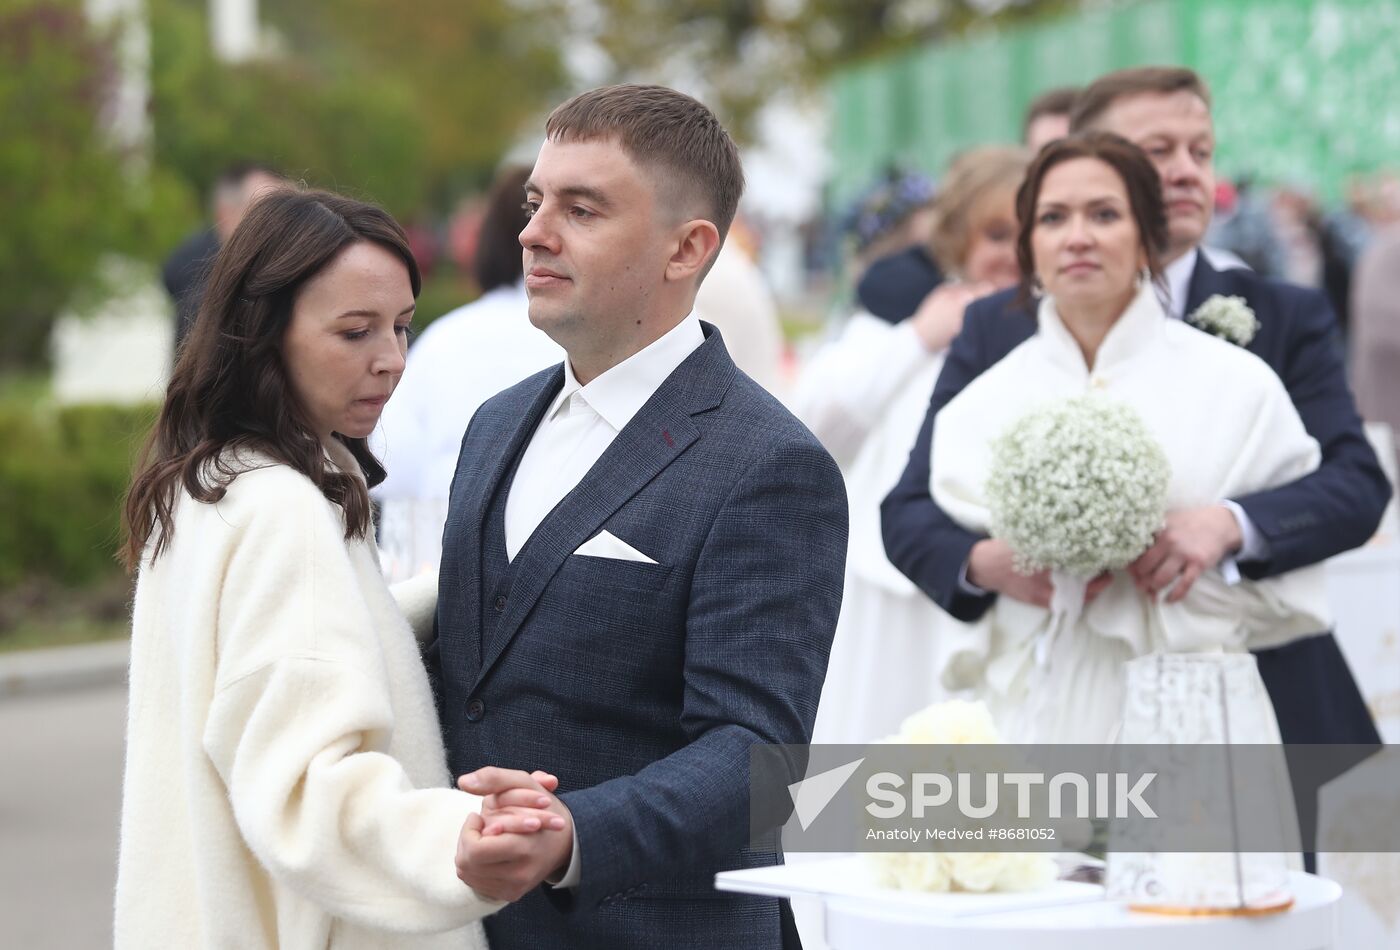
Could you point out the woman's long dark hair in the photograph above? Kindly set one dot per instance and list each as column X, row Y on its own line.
column 230, row 388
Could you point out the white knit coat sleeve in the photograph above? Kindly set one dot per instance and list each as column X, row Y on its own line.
column 301, row 722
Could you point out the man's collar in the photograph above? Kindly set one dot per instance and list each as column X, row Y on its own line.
column 621, row 391
column 1178, row 275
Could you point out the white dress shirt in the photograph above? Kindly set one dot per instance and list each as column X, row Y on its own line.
column 1178, row 277
column 576, row 430
column 582, row 422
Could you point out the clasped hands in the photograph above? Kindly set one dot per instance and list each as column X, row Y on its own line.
column 1193, row 541
column 523, row 835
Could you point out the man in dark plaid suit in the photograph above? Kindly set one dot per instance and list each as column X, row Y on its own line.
column 643, row 559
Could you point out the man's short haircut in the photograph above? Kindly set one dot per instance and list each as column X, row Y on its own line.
column 228, row 187
column 1051, row 102
column 1103, row 92
column 661, row 129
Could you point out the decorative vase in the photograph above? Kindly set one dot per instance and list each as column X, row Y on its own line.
column 1232, row 773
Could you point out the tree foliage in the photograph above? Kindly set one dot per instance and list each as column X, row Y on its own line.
column 67, row 197
column 740, row 53
column 409, row 107
column 477, row 75
column 349, row 131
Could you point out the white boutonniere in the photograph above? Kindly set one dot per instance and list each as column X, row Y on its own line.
column 1229, row 318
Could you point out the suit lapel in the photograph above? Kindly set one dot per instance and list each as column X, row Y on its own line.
column 510, row 451
column 654, row 438
column 476, row 502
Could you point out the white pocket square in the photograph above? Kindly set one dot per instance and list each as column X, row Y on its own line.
column 605, row 544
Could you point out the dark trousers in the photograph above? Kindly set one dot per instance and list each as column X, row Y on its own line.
column 1316, row 702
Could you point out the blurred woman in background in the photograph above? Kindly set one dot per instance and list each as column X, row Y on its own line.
column 864, row 395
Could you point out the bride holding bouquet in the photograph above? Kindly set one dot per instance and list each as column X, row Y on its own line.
column 1072, row 448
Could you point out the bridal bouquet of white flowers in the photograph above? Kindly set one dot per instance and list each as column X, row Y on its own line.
column 958, row 722
column 1078, row 487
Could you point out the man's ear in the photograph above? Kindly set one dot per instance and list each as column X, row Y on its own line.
column 697, row 245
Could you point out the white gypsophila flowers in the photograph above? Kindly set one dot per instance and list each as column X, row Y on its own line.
column 1229, row 318
column 958, row 722
column 1077, row 486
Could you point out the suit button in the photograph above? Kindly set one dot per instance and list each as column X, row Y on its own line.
column 500, row 602
column 476, row 710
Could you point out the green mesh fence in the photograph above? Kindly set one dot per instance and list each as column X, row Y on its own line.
column 1306, row 91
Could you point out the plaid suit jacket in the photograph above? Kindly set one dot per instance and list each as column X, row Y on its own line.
column 643, row 686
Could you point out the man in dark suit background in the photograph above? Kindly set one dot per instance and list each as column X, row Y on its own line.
column 643, row 558
column 188, row 265
column 1166, row 111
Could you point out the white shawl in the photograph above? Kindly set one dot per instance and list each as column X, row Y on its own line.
column 1227, row 427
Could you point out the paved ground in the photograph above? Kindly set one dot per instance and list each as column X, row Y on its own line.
column 60, row 788
column 60, row 796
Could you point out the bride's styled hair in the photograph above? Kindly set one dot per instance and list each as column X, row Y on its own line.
column 1140, row 180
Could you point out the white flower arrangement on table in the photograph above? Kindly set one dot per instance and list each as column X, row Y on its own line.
column 958, row 722
column 1077, row 486
column 955, row 722
column 1229, row 318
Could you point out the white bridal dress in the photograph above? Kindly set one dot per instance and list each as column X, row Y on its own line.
column 1228, row 429
column 864, row 395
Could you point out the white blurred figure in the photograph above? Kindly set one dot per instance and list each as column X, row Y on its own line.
column 735, row 297
column 864, row 395
column 461, row 360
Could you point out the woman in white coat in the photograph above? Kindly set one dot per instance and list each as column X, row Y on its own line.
column 285, row 781
column 1092, row 231
column 864, row 395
